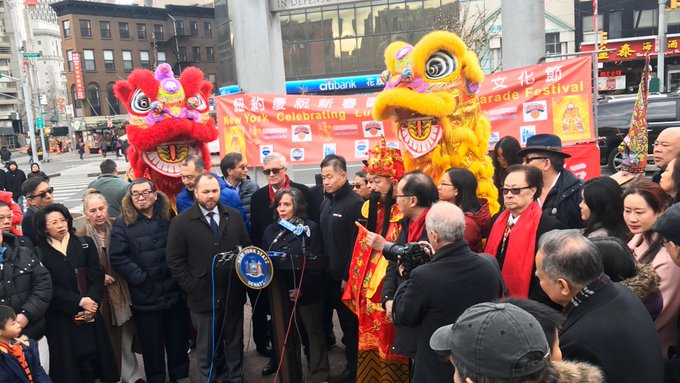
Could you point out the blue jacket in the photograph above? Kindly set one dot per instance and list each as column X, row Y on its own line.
column 10, row 368
column 228, row 197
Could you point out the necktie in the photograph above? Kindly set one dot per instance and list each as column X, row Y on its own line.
column 506, row 234
column 213, row 223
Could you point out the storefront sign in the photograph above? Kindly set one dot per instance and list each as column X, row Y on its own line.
column 78, row 77
column 554, row 98
column 633, row 49
column 289, row 5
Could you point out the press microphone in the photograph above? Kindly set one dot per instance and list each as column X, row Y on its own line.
column 298, row 229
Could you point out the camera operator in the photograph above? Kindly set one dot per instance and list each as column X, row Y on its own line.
column 436, row 293
column 416, row 193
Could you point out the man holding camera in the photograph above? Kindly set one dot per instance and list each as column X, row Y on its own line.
column 424, row 300
column 415, row 194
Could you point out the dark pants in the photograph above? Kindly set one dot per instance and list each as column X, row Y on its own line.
column 348, row 322
column 318, row 351
column 261, row 329
column 232, row 339
column 164, row 332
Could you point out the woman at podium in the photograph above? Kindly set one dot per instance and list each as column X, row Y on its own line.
column 305, row 286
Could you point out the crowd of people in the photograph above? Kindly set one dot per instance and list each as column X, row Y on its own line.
column 569, row 282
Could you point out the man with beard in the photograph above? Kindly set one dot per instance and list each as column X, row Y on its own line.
column 339, row 212
column 195, row 237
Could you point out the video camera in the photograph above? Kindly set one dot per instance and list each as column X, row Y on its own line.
column 410, row 255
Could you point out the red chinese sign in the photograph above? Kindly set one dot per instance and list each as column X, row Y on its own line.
column 78, row 76
column 628, row 49
column 548, row 98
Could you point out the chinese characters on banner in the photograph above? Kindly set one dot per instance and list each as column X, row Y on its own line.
column 547, row 98
column 626, row 49
column 78, row 76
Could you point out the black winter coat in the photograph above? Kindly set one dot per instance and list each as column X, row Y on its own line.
column 13, row 181
column 25, row 284
column 613, row 330
column 67, row 340
column 190, row 251
column 137, row 252
column 262, row 214
column 436, row 294
column 339, row 212
column 312, row 283
column 563, row 200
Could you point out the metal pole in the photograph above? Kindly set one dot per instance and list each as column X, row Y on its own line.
column 595, row 69
column 660, row 70
column 34, row 85
column 18, row 40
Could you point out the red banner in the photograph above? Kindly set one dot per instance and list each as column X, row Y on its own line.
column 633, row 49
column 548, row 98
column 78, row 76
column 584, row 161
column 553, row 98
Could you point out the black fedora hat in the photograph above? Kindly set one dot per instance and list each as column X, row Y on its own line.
column 543, row 143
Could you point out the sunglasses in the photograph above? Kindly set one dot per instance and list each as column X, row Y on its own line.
column 43, row 194
column 529, row 159
column 272, row 171
column 514, row 191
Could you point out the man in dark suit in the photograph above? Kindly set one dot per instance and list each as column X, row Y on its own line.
column 262, row 215
column 424, row 301
column 606, row 324
column 195, row 237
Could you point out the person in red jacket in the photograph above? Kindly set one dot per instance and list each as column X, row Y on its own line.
column 10, row 214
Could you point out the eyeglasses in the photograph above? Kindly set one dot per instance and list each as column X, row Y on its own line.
column 272, row 171
column 403, row 195
column 445, row 184
column 188, row 178
column 43, row 194
column 356, row 186
column 514, row 191
column 145, row 194
column 529, row 159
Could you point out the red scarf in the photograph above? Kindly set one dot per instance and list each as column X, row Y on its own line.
column 272, row 195
column 415, row 228
column 18, row 352
column 520, row 254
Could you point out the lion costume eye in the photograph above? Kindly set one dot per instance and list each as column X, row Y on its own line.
column 440, row 65
column 140, row 103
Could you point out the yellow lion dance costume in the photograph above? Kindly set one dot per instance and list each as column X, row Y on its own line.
column 431, row 91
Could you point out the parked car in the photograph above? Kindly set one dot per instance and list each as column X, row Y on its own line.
column 613, row 119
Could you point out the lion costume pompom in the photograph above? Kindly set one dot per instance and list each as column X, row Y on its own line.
column 168, row 119
column 431, row 91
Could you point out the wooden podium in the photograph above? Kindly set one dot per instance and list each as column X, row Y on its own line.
column 281, row 308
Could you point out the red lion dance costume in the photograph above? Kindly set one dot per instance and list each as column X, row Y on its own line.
column 168, row 119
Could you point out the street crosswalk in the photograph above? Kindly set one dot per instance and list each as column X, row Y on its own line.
column 69, row 190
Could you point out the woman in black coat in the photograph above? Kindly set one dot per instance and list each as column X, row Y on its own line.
column 80, row 350
column 289, row 204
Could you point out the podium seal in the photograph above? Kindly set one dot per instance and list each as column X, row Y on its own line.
column 254, row 267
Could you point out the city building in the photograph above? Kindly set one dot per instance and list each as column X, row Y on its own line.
column 110, row 40
column 11, row 104
column 336, row 41
column 630, row 30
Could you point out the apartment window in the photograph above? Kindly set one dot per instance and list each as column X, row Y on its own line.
column 182, row 54
column 93, row 98
column 207, row 29
column 109, row 64
column 588, row 23
column 127, row 61
column 124, row 30
column 88, row 56
column 85, row 30
column 648, row 18
column 141, row 31
column 552, row 43
column 158, row 32
column 69, row 59
column 179, row 27
column 209, row 53
column 196, row 54
column 161, row 57
column 105, row 29
column 66, row 26
column 76, row 102
column 114, row 105
column 144, row 58
column 193, row 26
